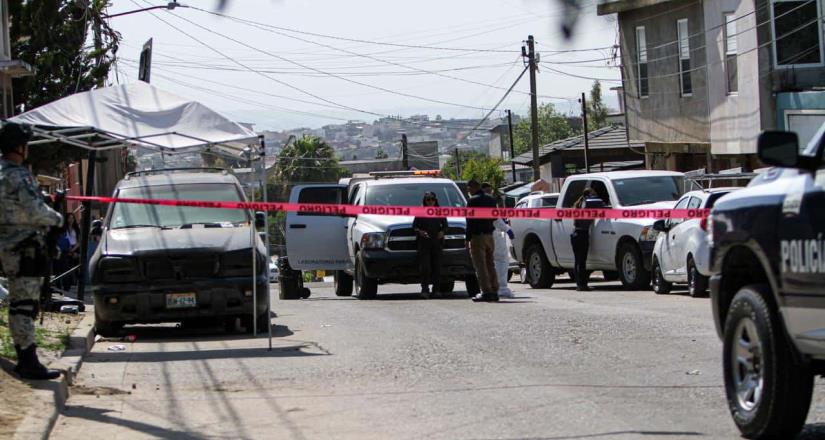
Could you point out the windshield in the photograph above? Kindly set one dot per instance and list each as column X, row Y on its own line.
column 411, row 194
column 131, row 215
column 644, row 190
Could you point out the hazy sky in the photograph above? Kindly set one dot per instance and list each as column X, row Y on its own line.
column 269, row 62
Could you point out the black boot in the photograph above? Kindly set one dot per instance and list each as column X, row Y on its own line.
column 29, row 367
column 425, row 291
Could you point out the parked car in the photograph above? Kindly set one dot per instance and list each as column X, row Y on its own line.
column 681, row 254
column 767, row 287
column 177, row 263
column 373, row 249
column 622, row 246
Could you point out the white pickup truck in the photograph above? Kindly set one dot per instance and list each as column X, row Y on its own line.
column 618, row 247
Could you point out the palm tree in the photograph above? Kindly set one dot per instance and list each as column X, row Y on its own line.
column 309, row 159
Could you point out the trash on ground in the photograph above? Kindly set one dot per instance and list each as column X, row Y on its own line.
column 693, row 372
column 117, row 347
column 70, row 309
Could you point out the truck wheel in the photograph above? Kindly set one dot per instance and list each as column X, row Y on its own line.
column 660, row 284
column 107, row 328
column 632, row 271
column 768, row 391
column 697, row 283
column 263, row 323
column 343, row 283
column 365, row 287
column 446, row 286
column 471, row 283
column 539, row 272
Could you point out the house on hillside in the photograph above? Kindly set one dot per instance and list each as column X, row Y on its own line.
column 703, row 79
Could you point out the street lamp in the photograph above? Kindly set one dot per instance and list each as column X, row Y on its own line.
column 169, row 6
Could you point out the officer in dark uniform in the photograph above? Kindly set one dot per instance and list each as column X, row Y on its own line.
column 24, row 221
column 580, row 238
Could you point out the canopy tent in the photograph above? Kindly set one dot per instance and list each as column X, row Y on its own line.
column 141, row 115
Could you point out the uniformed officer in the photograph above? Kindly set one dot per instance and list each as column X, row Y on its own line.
column 580, row 238
column 24, row 220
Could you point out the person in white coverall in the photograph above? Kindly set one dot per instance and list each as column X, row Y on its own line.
column 501, row 255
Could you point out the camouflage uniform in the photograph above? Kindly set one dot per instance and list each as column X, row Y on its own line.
column 24, row 220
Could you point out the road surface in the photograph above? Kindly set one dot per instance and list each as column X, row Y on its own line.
column 549, row 364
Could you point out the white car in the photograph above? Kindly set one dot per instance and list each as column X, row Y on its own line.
column 681, row 253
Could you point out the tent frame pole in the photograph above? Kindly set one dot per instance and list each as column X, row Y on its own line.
column 266, row 232
column 85, row 225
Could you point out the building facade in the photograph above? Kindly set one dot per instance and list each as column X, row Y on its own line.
column 9, row 68
column 702, row 79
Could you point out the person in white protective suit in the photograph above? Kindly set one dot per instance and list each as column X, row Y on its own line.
column 501, row 256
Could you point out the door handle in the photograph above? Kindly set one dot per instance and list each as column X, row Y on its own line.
column 557, row 219
column 298, row 226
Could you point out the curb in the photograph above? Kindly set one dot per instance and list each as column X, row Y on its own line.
column 50, row 397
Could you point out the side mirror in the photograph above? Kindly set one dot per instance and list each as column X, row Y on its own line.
column 660, row 225
column 779, row 148
column 260, row 219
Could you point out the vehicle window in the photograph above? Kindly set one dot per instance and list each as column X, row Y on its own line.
column 125, row 215
column 652, row 189
column 354, row 195
column 601, row 191
column 411, row 194
column 681, row 205
column 535, row 203
column 321, row 195
column 694, row 203
column 713, row 198
column 549, row 202
column 521, row 205
column 574, row 191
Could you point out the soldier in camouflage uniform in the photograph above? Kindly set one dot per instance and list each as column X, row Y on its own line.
column 24, row 220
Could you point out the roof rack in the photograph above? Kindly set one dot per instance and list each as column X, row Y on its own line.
column 413, row 173
column 176, row 170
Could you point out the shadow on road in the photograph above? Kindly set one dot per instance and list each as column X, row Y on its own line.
column 199, row 355
column 619, row 433
column 101, row 416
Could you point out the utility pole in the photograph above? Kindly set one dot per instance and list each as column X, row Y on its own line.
column 583, row 100
column 512, row 154
column 405, row 160
column 457, row 164
column 530, row 53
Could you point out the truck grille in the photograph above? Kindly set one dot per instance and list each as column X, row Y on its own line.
column 165, row 268
column 403, row 239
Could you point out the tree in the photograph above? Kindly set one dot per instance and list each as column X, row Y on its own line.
column 552, row 127
column 380, row 154
column 449, row 169
column 596, row 108
column 309, row 159
column 484, row 169
column 51, row 36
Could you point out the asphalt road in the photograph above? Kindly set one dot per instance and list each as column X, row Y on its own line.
column 549, row 364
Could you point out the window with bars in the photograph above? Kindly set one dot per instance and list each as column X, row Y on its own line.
column 641, row 62
column 797, row 28
column 731, row 66
column 684, row 57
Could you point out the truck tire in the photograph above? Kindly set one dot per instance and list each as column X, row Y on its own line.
column 365, row 287
column 343, row 283
column 290, row 283
column 660, row 285
column 755, row 351
column 471, row 283
column 631, row 267
column 107, row 328
column 446, row 286
column 697, row 283
column 263, row 323
column 539, row 272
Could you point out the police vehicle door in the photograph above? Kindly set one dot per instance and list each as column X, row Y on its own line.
column 562, row 229
column 802, row 265
column 317, row 240
column 602, row 236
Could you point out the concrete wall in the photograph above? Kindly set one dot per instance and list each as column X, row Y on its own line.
column 734, row 117
column 665, row 115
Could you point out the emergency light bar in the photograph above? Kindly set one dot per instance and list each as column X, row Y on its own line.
column 413, row 173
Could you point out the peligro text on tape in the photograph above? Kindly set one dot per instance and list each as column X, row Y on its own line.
column 420, row 211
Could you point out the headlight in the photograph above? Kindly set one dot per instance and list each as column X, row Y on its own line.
column 648, row 234
column 373, row 240
column 117, row 270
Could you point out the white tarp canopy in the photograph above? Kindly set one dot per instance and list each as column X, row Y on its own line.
column 136, row 114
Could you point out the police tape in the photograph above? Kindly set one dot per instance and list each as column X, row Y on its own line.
column 419, row 211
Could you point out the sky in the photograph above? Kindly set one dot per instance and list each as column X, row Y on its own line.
column 284, row 64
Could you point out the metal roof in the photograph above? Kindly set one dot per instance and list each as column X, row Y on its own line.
column 613, row 137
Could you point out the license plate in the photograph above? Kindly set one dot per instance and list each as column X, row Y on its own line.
column 180, row 300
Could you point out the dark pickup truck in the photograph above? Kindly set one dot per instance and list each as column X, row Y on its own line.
column 768, row 287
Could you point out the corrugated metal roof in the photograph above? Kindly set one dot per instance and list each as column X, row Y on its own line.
column 603, row 138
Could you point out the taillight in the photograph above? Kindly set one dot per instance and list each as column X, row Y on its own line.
column 704, row 224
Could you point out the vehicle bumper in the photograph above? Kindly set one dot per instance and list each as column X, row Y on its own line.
column 146, row 303
column 647, row 247
column 402, row 267
column 701, row 258
column 715, row 285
